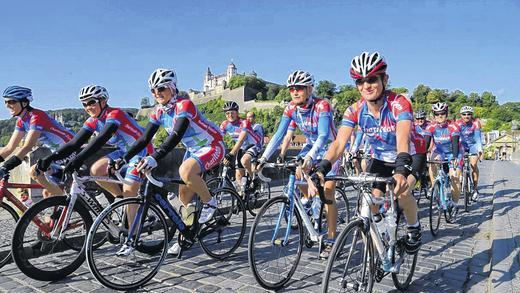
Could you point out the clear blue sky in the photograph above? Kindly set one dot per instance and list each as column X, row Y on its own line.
column 56, row 47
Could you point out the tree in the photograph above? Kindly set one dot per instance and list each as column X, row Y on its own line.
column 272, row 91
column 283, row 95
column 420, row 93
column 399, row 90
column 325, row 89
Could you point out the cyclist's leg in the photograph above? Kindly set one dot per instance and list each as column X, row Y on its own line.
column 473, row 161
column 50, row 185
column 455, row 172
column 131, row 190
column 247, row 158
column 239, row 170
column 99, row 168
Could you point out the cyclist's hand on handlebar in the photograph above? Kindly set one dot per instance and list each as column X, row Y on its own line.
column 117, row 164
column 72, row 166
column 307, row 164
column 146, row 164
column 280, row 159
column 43, row 164
column 401, row 184
column 260, row 164
column 228, row 159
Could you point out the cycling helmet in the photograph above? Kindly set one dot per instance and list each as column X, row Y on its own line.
column 93, row 92
column 466, row 109
column 162, row 77
column 366, row 65
column 301, row 78
column 420, row 114
column 440, row 107
column 230, row 106
column 17, row 93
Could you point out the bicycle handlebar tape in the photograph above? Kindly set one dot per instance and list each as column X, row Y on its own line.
column 403, row 164
column 324, row 167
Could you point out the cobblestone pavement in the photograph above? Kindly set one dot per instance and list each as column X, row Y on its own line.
column 479, row 253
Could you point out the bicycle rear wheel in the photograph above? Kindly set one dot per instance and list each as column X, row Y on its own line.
column 351, row 262
column 42, row 256
column 223, row 234
column 272, row 262
column 130, row 270
column 8, row 219
column 435, row 209
column 408, row 262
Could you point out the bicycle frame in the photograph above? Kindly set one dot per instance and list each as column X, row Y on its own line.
column 444, row 181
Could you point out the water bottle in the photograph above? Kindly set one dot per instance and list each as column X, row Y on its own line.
column 380, row 224
column 316, row 209
column 306, row 203
column 391, row 226
column 175, row 201
column 243, row 184
column 188, row 214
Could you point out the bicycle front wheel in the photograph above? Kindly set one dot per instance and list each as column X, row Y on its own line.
column 223, row 234
column 350, row 265
column 273, row 258
column 8, row 219
column 408, row 261
column 46, row 256
column 125, row 269
column 465, row 191
column 435, row 209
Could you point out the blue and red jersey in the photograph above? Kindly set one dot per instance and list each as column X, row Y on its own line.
column 420, row 129
column 470, row 135
column 53, row 134
column 380, row 132
column 234, row 129
column 315, row 122
column 200, row 133
column 259, row 129
column 442, row 135
column 128, row 130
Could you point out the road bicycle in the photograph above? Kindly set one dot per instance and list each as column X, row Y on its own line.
column 9, row 215
column 467, row 186
column 441, row 200
column 372, row 245
column 283, row 226
column 129, row 263
column 48, row 241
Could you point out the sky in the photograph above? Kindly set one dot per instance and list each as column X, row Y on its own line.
column 57, row 47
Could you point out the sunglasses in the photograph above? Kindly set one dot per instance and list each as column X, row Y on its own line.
column 10, row 102
column 159, row 89
column 89, row 103
column 439, row 113
column 419, row 118
column 296, row 88
column 370, row 80
column 466, row 114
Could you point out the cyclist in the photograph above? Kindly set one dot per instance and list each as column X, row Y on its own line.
column 36, row 127
column 257, row 127
column 247, row 143
column 471, row 139
column 112, row 126
column 446, row 138
column 313, row 116
column 386, row 119
column 420, row 121
column 184, row 123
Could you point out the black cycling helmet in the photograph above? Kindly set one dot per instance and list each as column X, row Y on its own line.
column 230, row 106
column 420, row 114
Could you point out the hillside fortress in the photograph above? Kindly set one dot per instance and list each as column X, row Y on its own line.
column 214, row 84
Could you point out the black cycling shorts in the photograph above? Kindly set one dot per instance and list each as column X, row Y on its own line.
column 418, row 165
column 382, row 169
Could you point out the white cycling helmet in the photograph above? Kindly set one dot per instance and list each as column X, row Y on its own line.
column 93, row 92
column 162, row 77
column 301, row 78
column 367, row 65
column 440, row 107
column 466, row 109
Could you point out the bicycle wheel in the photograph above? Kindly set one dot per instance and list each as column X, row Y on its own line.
column 272, row 262
column 39, row 254
column 350, row 265
column 408, row 261
column 344, row 212
column 8, row 219
column 223, row 234
column 465, row 190
column 134, row 268
column 435, row 209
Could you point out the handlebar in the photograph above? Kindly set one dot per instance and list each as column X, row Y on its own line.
column 284, row 165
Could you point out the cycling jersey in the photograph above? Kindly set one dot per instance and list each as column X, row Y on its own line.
column 380, row 132
column 202, row 139
column 360, row 140
column 234, row 129
column 421, row 128
column 442, row 135
column 418, row 140
column 470, row 136
column 128, row 130
column 259, row 129
column 315, row 122
column 53, row 134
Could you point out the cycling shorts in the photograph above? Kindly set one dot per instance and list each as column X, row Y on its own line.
column 382, row 169
column 208, row 156
column 131, row 171
column 418, row 165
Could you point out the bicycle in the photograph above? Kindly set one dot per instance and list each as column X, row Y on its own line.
column 48, row 241
column 277, row 235
column 367, row 249
column 421, row 188
column 441, row 198
column 126, row 264
column 467, row 186
column 256, row 193
column 9, row 216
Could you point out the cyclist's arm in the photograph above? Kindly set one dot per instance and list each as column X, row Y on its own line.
column 142, row 141
column 478, row 138
column 403, row 132
column 338, row 145
column 286, row 142
column 277, row 137
column 240, row 140
column 16, row 158
column 73, row 145
column 15, row 139
column 324, row 122
column 455, row 145
column 98, row 142
column 357, row 141
column 180, row 127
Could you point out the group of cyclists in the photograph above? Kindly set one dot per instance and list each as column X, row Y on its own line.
column 382, row 122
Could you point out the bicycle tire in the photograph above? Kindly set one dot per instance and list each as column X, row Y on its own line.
column 403, row 279
column 254, row 246
column 118, row 272
column 331, row 282
column 8, row 220
column 23, row 254
column 435, row 207
column 465, row 190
